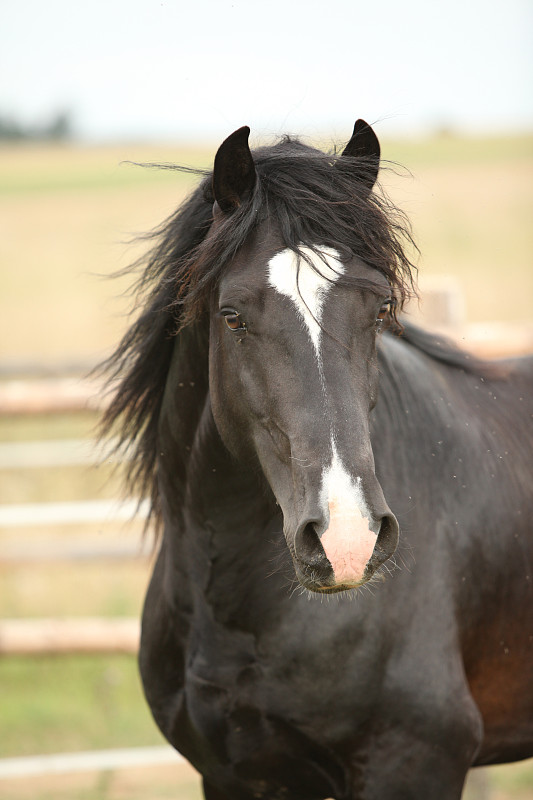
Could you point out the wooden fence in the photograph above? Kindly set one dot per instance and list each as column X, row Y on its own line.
column 77, row 635
column 442, row 305
column 92, row 761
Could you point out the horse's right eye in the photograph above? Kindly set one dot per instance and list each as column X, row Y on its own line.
column 234, row 321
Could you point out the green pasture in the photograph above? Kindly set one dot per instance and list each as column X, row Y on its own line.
column 71, row 703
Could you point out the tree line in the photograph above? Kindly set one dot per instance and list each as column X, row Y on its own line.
column 57, row 129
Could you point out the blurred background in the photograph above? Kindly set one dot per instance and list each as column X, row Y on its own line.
column 87, row 88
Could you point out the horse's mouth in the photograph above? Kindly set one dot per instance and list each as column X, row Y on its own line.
column 330, row 586
column 338, row 588
column 322, row 580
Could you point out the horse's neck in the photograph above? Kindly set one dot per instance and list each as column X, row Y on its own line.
column 240, row 529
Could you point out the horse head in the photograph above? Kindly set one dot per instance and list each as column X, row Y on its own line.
column 293, row 373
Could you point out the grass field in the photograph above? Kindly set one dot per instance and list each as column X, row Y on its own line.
column 65, row 215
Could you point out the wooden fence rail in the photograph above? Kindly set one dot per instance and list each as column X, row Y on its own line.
column 92, row 761
column 75, row 512
column 50, row 395
column 64, row 551
column 58, row 453
column 30, row 637
column 60, row 395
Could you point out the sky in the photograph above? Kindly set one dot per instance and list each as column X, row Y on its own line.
column 195, row 69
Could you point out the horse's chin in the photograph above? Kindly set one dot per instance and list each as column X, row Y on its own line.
column 320, row 588
column 340, row 587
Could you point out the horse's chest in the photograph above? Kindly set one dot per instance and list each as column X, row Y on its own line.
column 277, row 705
column 252, row 723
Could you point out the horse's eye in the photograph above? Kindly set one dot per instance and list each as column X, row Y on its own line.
column 234, row 321
column 383, row 312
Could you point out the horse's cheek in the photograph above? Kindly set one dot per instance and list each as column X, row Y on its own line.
column 231, row 405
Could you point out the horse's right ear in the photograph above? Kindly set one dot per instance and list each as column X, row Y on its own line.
column 364, row 144
column 234, row 171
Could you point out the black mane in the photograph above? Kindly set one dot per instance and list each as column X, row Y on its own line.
column 314, row 198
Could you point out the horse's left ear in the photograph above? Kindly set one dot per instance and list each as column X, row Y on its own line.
column 365, row 144
column 234, row 171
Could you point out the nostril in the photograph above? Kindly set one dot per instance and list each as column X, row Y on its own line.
column 306, row 541
column 387, row 540
column 309, row 551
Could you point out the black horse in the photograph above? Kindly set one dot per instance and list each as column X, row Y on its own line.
column 285, row 444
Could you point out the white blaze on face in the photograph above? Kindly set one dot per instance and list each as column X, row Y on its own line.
column 294, row 277
column 349, row 539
